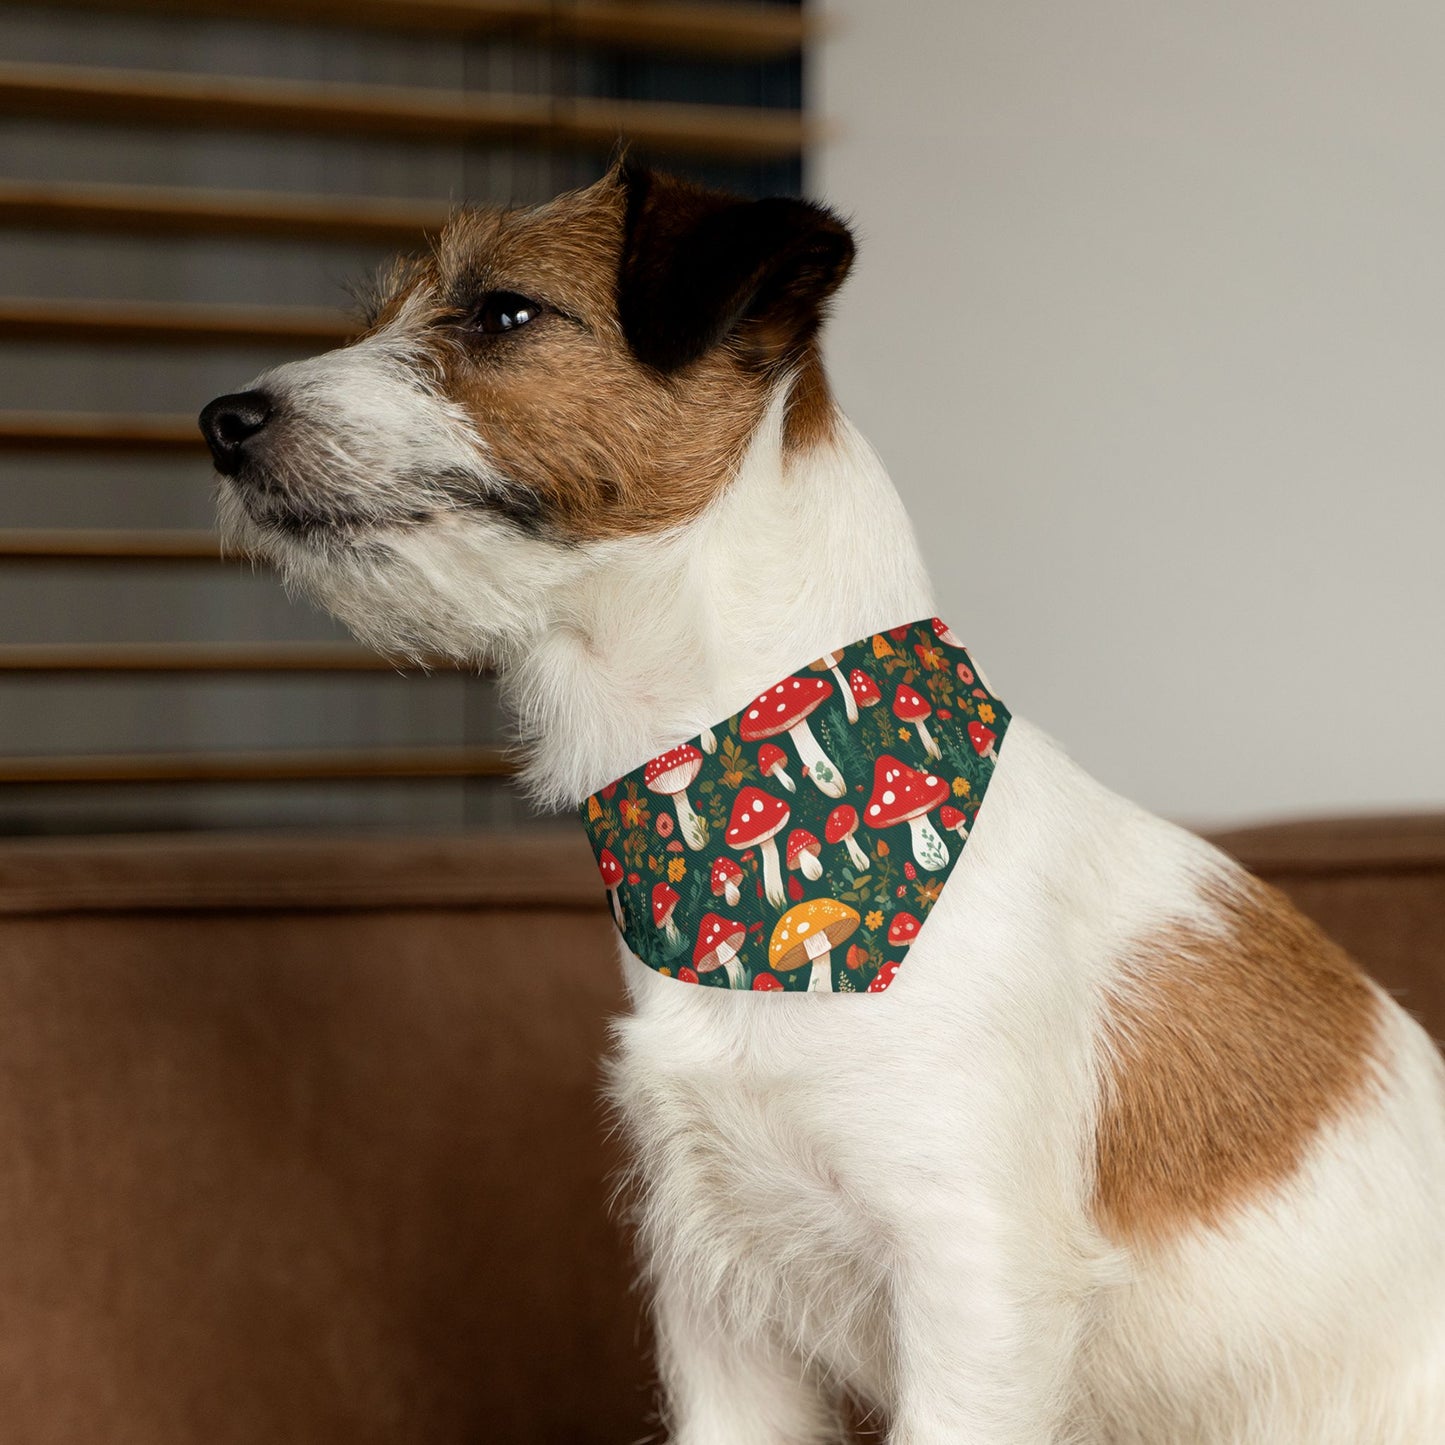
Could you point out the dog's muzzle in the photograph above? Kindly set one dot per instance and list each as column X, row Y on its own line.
column 232, row 422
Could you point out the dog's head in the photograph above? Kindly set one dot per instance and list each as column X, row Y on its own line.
column 544, row 380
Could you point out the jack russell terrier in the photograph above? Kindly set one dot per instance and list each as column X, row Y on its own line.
column 1107, row 1143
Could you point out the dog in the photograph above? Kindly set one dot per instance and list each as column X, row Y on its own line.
column 1128, row 1152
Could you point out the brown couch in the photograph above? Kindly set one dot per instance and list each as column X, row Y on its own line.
column 302, row 1141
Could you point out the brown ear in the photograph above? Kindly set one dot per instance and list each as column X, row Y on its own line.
column 699, row 266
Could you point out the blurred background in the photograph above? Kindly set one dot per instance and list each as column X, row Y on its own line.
column 187, row 194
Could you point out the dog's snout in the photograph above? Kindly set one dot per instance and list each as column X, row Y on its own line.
column 229, row 422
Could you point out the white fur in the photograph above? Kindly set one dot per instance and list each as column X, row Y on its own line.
column 890, row 1194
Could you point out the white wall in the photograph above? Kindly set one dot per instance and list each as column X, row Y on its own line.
column 1149, row 324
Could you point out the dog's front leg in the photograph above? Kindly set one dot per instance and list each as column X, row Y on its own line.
column 984, row 1340
column 722, row 1388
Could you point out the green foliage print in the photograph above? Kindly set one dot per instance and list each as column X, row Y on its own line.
column 802, row 851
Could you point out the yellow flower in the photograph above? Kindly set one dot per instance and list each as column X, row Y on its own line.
column 904, row 735
column 985, row 712
column 961, row 788
column 874, row 920
column 665, row 972
column 676, row 869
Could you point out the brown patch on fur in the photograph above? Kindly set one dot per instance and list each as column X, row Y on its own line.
column 1227, row 1053
column 812, row 416
column 604, row 444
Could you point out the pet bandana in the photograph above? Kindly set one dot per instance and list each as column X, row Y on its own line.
column 801, row 844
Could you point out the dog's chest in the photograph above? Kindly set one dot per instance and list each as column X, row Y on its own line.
column 755, row 1177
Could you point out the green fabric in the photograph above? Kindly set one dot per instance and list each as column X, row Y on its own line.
column 899, row 723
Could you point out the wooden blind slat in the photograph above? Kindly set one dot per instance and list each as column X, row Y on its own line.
column 78, row 431
column 171, row 323
column 218, row 102
column 172, row 211
column 754, row 32
column 81, row 544
column 271, row 766
column 184, row 657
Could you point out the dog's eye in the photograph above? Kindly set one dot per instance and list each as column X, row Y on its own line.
column 504, row 311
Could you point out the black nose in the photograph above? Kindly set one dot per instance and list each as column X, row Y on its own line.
column 229, row 422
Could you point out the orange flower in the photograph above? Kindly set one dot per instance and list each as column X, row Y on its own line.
column 676, row 869
column 985, row 713
column 882, row 849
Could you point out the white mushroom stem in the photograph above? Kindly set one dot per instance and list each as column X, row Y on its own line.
column 819, row 948
column 821, row 768
column 812, row 869
column 612, row 893
column 926, row 738
column 781, row 774
column 929, row 851
column 694, row 833
column 670, row 933
column 859, row 857
column 772, row 876
column 708, row 741
column 730, row 892
column 850, row 705
column 728, row 957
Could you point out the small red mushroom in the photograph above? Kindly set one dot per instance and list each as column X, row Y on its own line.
column 983, row 740
column 670, row 775
column 757, row 818
column 885, row 976
column 766, row 983
column 786, row 708
column 945, row 634
column 611, row 871
column 903, row 795
column 864, row 689
column 841, row 826
column 912, row 707
column 903, row 930
column 718, row 942
column 726, row 875
column 830, row 660
column 686, row 975
column 664, row 904
column 803, row 850
column 772, row 763
column 953, row 821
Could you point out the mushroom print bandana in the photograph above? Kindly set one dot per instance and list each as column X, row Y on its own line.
column 801, row 844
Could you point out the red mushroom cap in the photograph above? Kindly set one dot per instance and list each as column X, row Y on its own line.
column 910, row 706
column 842, row 823
column 715, row 932
column 903, row 929
column 782, row 707
column 884, row 977
column 609, row 868
column 981, row 737
column 949, row 816
column 800, row 840
column 673, row 771
column 724, row 871
column 901, row 793
column 756, row 817
column 686, row 975
column 865, row 690
column 766, row 983
column 664, row 900
column 770, row 758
